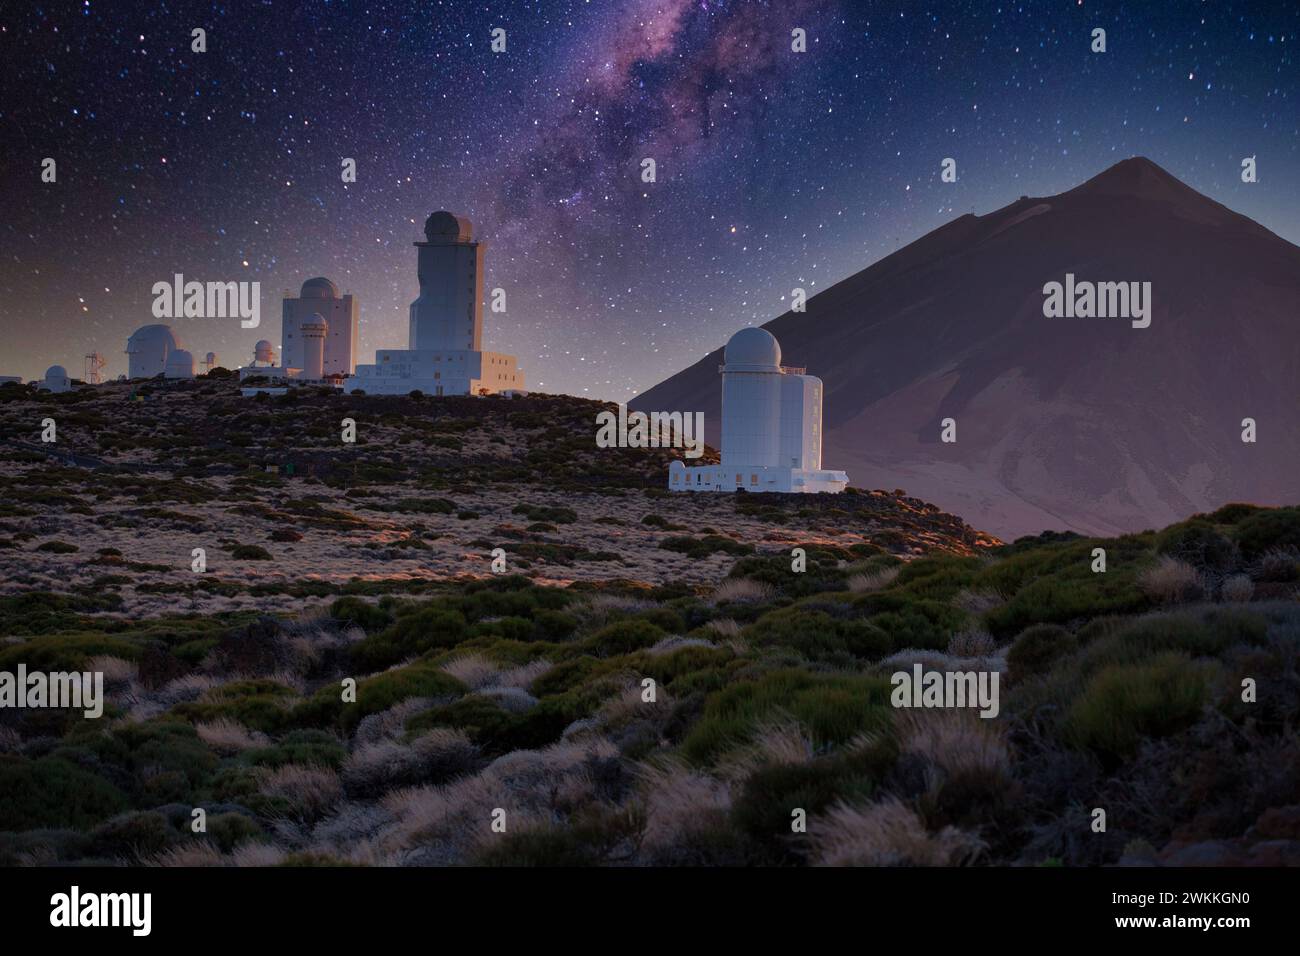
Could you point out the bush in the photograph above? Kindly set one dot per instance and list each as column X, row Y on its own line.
column 354, row 610
column 831, row 710
column 1037, row 649
column 705, row 546
column 414, row 631
column 1123, row 704
column 250, row 552
column 57, row 547
column 51, row 792
column 1277, row 528
column 1199, row 545
column 820, row 637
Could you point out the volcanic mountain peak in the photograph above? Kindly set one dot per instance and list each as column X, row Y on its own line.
column 1094, row 425
column 1139, row 178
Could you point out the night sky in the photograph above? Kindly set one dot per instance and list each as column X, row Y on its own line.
column 775, row 169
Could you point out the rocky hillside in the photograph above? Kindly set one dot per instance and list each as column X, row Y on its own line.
column 1080, row 423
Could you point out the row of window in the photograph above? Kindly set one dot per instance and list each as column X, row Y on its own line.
column 699, row 478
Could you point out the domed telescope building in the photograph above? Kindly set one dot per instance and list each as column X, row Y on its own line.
column 444, row 353
column 771, row 426
column 148, row 349
column 319, row 301
column 56, row 380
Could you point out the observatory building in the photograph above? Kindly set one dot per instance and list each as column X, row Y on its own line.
column 320, row 302
column 56, row 379
column 445, row 340
column 180, row 364
column 148, row 349
column 771, row 426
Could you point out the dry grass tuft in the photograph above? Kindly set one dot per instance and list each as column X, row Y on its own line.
column 887, row 833
column 311, row 792
column 743, row 591
column 472, row 670
column 725, row 627
column 960, row 743
column 228, row 737
column 1171, row 581
column 873, row 580
column 681, row 805
column 1238, row 589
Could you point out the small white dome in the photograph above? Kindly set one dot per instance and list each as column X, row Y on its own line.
column 753, row 348
column 56, row 372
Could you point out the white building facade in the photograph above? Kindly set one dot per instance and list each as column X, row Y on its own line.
column 771, row 426
column 445, row 337
column 320, row 300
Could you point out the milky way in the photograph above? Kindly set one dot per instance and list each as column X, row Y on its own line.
column 775, row 169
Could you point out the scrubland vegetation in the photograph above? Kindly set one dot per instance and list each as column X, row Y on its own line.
column 1121, row 690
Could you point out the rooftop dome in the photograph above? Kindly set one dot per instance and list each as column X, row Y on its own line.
column 56, row 372
column 444, row 226
column 152, row 335
column 319, row 288
column 316, row 322
column 753, row 349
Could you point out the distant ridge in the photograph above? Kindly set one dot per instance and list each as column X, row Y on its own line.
column 1081, row 423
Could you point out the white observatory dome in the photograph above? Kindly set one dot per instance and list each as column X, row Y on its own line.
column 753, row 350
column 148, row 348
column 319, row 288
column 56, row 379
column 180, row 364
column 264, row 351
column 444, row 226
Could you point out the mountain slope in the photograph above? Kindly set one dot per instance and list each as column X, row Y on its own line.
column 1086, row 423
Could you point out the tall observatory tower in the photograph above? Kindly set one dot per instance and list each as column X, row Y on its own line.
column 444, row 354
column 448, row 314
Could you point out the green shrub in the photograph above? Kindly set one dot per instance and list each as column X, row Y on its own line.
column 51, row 792
column 820, row 637
column 1276, row 528
column 58, row 547
column 260, row 704
column 305, row 747
column 1200, row 545
column 1121, row 705
column 413, row 632
column 831, row 709
column 705, row 546
column 228, row 830
column 250, row 552
column 1037, row 649
column 365, row 615
column 131, row 836
column 420, row 679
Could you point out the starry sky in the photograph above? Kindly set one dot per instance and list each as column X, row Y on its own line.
column 775, row 169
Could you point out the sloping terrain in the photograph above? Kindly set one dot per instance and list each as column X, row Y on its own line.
column 1080, row 423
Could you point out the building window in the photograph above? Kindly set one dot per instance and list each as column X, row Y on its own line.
column 739, row 479
column 753, row 479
